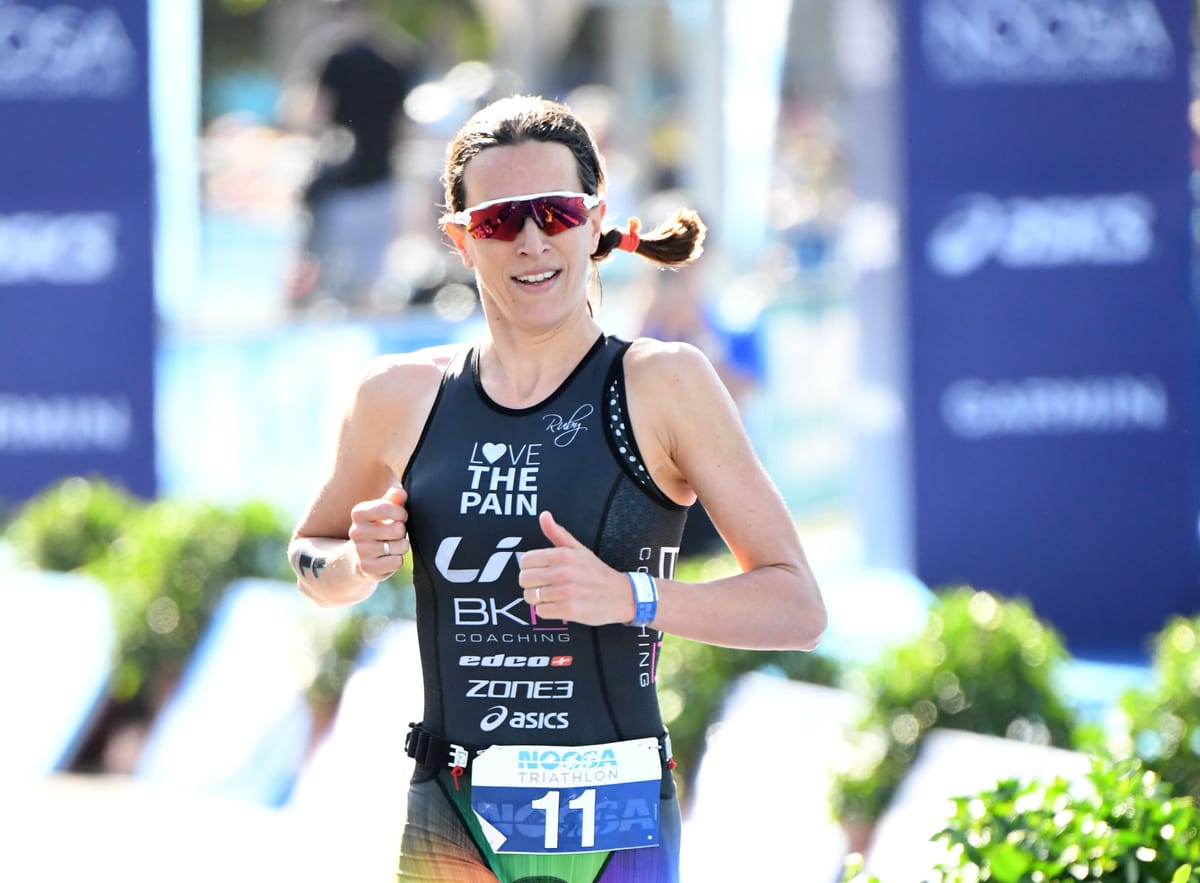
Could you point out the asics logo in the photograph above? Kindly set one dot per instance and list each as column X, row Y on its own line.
column 494, row 718
column 523, row 720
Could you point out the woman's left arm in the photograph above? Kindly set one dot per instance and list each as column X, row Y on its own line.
column 694, row 442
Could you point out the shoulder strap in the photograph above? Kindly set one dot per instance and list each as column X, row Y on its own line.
column 620, row 430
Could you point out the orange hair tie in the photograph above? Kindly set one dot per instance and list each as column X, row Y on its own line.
column 629, row 238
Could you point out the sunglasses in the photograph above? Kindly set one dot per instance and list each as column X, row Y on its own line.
column 503, row 219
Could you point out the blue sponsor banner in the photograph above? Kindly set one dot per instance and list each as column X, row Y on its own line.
column 1052, row 331
column 76, row 216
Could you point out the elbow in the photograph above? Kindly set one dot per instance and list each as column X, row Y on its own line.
column 813, row 618
column 315, row 597
column 813, row 628
column 337, row 597
column 797, row 617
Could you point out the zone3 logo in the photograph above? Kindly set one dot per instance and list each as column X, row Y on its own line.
column 484, row 689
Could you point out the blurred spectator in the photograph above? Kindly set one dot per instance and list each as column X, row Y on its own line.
column 680, row 307
column 347, row 85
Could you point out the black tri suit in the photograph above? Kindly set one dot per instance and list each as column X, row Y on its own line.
column 494, row 673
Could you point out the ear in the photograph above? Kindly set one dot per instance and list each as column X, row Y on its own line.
column 596, row 220
column 458, row 236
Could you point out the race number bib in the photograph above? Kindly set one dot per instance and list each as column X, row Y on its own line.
column 555, row 799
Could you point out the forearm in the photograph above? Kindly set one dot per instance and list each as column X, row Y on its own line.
column 769, row 608
column 328, row 571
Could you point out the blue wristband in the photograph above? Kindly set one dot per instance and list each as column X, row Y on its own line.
column 645, row 597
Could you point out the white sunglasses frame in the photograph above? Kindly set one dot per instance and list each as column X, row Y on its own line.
column 463, row 218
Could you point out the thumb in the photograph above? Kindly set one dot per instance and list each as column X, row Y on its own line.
column 396, row 495
column 556, row 533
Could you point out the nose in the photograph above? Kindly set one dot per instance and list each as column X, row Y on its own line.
column 532, row 238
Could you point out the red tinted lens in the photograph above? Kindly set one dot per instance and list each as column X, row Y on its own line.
column 557, row 213
column 504, row 220
column 500, row 221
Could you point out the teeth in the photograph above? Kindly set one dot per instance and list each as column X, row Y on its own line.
column 540, row 277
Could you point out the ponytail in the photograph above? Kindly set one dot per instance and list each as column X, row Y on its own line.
column 677, row 241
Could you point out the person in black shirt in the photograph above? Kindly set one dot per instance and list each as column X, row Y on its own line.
column 540, row 478
column 356, row 100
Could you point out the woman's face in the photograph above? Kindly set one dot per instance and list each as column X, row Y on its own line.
column 534, row 281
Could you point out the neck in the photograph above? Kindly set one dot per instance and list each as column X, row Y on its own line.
column 519, row 373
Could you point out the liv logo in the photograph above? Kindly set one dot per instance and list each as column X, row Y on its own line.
column 488, row 574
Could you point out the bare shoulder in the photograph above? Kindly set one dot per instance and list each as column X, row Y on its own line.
column 661, row 367
column 405, row 377
column 675, row 400
column 392, row 403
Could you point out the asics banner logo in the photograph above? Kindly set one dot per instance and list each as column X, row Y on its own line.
column 78, row 248
column 1022, row 233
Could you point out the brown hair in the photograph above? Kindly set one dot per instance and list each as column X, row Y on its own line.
column 520, row 118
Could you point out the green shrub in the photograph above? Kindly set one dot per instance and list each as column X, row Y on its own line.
column 1119, row 824
column 166, row 566
column 981, row 664
column 694, row 679
column 1164, row 718
column 166, row 573
column 71, row 523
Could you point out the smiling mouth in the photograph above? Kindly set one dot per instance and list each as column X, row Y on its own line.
column 535, row 278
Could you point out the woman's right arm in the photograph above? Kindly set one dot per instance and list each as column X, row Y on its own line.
column 337, row 548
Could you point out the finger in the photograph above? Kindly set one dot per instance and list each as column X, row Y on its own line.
column 556, row 533
column 393, row 548
column 397, row 496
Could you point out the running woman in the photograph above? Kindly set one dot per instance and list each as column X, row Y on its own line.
column 540, row 477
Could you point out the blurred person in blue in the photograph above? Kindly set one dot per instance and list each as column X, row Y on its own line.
column 351, row 76
column 541, row 477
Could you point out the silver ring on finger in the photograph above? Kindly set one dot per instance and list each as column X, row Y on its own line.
column 387, row 548
column 537, row 596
